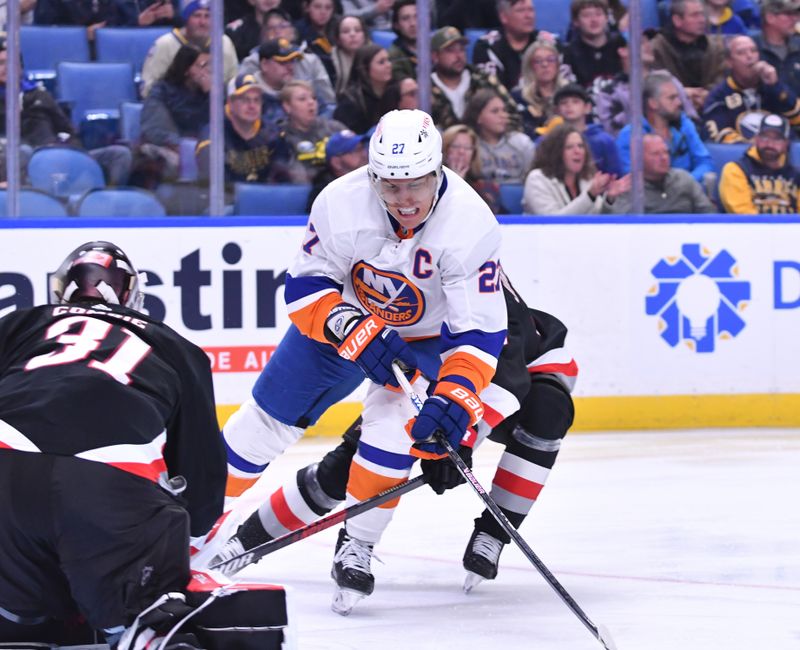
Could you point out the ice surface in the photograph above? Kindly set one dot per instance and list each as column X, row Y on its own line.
column 674, row 540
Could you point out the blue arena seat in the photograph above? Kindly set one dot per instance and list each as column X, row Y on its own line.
column 794, row 154
column 130, row 119
column 62, row 171
column 119, row 202
column 725, row 153
column 95, row 88
column 44, row 47
column 127, row 45
column 511, row 197
column 33, row 203
column 553, row 16
column 383, row 37
column 650, row 13
column 270, row 200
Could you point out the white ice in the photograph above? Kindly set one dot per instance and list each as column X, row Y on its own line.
column 673, row 540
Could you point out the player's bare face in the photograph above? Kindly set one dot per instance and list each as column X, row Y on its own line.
column 408, row 200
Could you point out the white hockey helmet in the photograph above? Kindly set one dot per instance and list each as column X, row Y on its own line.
column 405, row 144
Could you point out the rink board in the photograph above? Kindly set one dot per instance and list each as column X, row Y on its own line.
column 675, row 321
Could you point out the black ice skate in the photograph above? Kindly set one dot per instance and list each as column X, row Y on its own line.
column 481, row 559
column 351, row 572
column 249, row 535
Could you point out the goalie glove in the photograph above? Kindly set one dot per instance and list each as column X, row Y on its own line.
column 366, row 341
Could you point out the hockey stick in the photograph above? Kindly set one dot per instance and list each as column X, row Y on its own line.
column 601, row 635
column 238, row 562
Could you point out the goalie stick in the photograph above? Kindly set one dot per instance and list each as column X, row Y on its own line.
column 599, row 632
column 238, row 562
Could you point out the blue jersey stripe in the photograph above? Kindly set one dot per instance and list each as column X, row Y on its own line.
column 241, row 464
column 385, row 458
column 306, row 285
column 489, row 342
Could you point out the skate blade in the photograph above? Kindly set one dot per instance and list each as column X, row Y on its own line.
column 471, row 581
column 344, row 600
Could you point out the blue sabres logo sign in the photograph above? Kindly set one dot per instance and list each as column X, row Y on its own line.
column 388, row 295
column 698, row 298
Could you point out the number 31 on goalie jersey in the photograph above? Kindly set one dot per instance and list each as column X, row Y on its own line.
column 489, row 277
column 79, row 345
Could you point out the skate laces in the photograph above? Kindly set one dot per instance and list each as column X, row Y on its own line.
column 487, row 546
column 355, row 554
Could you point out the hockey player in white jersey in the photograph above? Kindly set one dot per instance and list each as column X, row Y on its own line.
column 400, row 261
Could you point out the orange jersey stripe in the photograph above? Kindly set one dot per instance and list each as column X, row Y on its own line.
column 364, row 484
column 310, row 320
column 466, row 365
column 236, row 486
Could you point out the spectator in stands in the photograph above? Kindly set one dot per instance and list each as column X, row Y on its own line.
column 612, row 97
column 376, row 13
column 403, row 51
column 564, row 180
column 26, row 10
column 276, row 69
column 252, row 153
column 573, row 106
column 763, row 181
column 345, row 151
column 667, row 189
column 92, row 14
column 454, row 82
column 245, row 32
column 368, row 94
column 315, row 29
column 505, row 154
column 592, row 52
column 43, row 123
column 408, row 90
column 684, row 49
column 304, row 131
column 722, row 19
column 149, row 13
column 468, row 14
column 733, row 109
column 196, row 32
column 460, row 150
column 277, row 25
column 542, row 76
column 779, row 42
column 177, row 107
column 663, row 115
column 349, row 34
column 499, row 52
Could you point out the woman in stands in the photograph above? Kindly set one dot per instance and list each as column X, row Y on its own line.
column 505, row 155
column 369, row 93
column 460, row 149
column 316, row 29
column 176, row 107
column 542, row 76
column 349, row 34
column 564, row 179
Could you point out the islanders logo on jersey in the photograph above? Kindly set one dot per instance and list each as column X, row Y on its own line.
column 698, row 298
column 389, row 295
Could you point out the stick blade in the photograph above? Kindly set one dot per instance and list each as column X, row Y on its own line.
column 604, row 636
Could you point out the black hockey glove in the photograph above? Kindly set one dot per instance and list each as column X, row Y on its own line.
column 442, row 474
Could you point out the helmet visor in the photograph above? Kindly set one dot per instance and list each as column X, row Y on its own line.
column 401, row 191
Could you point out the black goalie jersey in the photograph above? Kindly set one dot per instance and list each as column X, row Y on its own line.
column 107, row 384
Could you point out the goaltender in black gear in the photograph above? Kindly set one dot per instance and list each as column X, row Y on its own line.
column 110, row 452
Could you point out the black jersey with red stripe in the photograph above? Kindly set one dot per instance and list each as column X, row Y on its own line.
column 108, row 384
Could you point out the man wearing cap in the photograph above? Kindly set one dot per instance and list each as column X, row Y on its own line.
column 253, row 153
column 344, row 152
column 573, row 106
column 733, row 109
column 303, row 130
column 276, row 60
column 779, row 42
column 196, row 31
column 454, row 82
column 664, row 116
column 763, row 181
column 499, row 52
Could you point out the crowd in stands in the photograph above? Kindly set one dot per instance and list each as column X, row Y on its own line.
column 547, row 111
